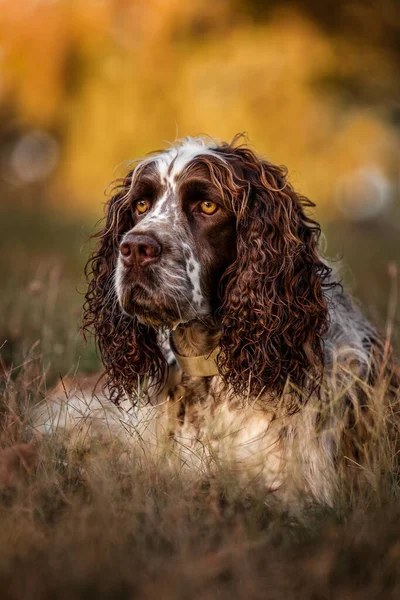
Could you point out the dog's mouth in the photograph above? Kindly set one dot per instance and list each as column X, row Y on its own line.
column 154, row 307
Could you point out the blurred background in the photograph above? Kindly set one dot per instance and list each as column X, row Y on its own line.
column 87, row 85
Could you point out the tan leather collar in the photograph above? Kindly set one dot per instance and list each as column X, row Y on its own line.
column 198, row 366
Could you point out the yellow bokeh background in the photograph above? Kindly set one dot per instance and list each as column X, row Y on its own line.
column 111, row 80
column 88, row 85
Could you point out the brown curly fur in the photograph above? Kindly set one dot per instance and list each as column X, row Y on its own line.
column 274, row 307
column 129, row 350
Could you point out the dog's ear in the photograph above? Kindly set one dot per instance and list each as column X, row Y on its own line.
column 274, row 305
column 129, row 350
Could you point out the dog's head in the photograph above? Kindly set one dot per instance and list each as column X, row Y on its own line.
column 214, row 232
column 179, row 237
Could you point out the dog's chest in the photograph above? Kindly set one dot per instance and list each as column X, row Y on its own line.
column 214, row 431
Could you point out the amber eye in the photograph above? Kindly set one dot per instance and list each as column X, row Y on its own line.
column 142, row 206
column 208, row 207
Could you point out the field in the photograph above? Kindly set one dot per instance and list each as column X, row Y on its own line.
column 99, row 523
column 86, row 86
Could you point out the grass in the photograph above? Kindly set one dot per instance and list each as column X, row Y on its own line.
column 41, row 264
column 102, row 523
column 99, row 523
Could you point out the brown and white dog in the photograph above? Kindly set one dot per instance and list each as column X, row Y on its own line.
column 209, row 298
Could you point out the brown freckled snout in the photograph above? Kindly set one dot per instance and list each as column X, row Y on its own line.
column 140, row 250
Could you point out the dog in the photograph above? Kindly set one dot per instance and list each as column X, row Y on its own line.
column 212, row 305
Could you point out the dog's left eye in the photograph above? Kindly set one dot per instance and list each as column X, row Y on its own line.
column 208, row 207
column 142, row 206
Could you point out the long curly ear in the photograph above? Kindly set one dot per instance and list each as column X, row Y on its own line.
column 274, row 310
column 129, row 350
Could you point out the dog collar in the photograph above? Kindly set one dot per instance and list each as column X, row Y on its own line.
column 198, row 366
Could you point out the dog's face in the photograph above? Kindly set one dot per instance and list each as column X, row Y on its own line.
column 182, row 239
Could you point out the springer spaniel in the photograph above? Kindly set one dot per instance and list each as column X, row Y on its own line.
column 209, row 297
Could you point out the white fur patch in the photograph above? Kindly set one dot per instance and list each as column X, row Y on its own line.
column 193, row 272
column 182, row 155
column 117, row 280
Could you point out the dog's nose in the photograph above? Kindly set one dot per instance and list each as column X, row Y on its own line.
column 141, row 250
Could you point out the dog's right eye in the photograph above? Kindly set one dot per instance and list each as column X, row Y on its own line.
column 142, row 206
column 208, row 208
